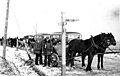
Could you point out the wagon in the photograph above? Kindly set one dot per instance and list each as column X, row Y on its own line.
column 56, row 57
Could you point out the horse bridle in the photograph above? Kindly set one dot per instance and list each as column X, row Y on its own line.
column 106, row 42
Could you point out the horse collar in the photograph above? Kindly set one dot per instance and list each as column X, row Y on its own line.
column 93, row 43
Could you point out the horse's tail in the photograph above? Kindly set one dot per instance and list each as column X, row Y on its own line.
column 69, row 48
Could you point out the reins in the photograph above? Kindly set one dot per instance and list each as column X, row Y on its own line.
column 110, row 49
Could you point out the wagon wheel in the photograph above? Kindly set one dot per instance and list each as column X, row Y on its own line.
column 54, row 59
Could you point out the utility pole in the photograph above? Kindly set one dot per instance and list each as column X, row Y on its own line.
column 5, row 31
column 63, row 68
column 63, row 23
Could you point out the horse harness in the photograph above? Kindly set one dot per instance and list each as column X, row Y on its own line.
column 93, row 44
column 102, row 43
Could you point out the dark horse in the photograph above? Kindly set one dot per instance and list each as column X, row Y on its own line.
column 90, row 47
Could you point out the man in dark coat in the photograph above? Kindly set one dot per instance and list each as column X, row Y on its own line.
column 38, row 52
column 47, row 52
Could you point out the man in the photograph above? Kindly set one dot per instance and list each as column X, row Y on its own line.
column 38, row 51
column 47, row 52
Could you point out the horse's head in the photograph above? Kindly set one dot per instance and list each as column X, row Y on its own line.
column 110, row 39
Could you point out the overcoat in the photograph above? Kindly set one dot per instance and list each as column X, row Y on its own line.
column 37, row 48
column 48, row 48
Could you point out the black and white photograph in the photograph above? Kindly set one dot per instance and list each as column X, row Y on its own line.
column 59, row 38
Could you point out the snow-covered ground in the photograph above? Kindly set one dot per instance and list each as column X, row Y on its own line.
column 13, row 56
column 111, row 66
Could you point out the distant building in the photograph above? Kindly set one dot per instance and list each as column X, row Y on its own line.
column 29, row 36
column 42, row 35
column 69, row 35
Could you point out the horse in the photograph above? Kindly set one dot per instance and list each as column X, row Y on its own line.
column 109, row 40
column 88, row 47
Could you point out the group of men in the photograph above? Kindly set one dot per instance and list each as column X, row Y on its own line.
column 43, row 48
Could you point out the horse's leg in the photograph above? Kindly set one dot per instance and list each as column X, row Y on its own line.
column 68, row 56
column 67, row 59
column 102, row 61
column 72, row 60
column 90, row 58
column 67, row 62
column 83, row 60
column 99, row 56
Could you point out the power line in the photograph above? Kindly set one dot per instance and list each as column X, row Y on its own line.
column 18, row 32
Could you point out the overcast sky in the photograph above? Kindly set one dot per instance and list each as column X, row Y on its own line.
column 95, row 16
